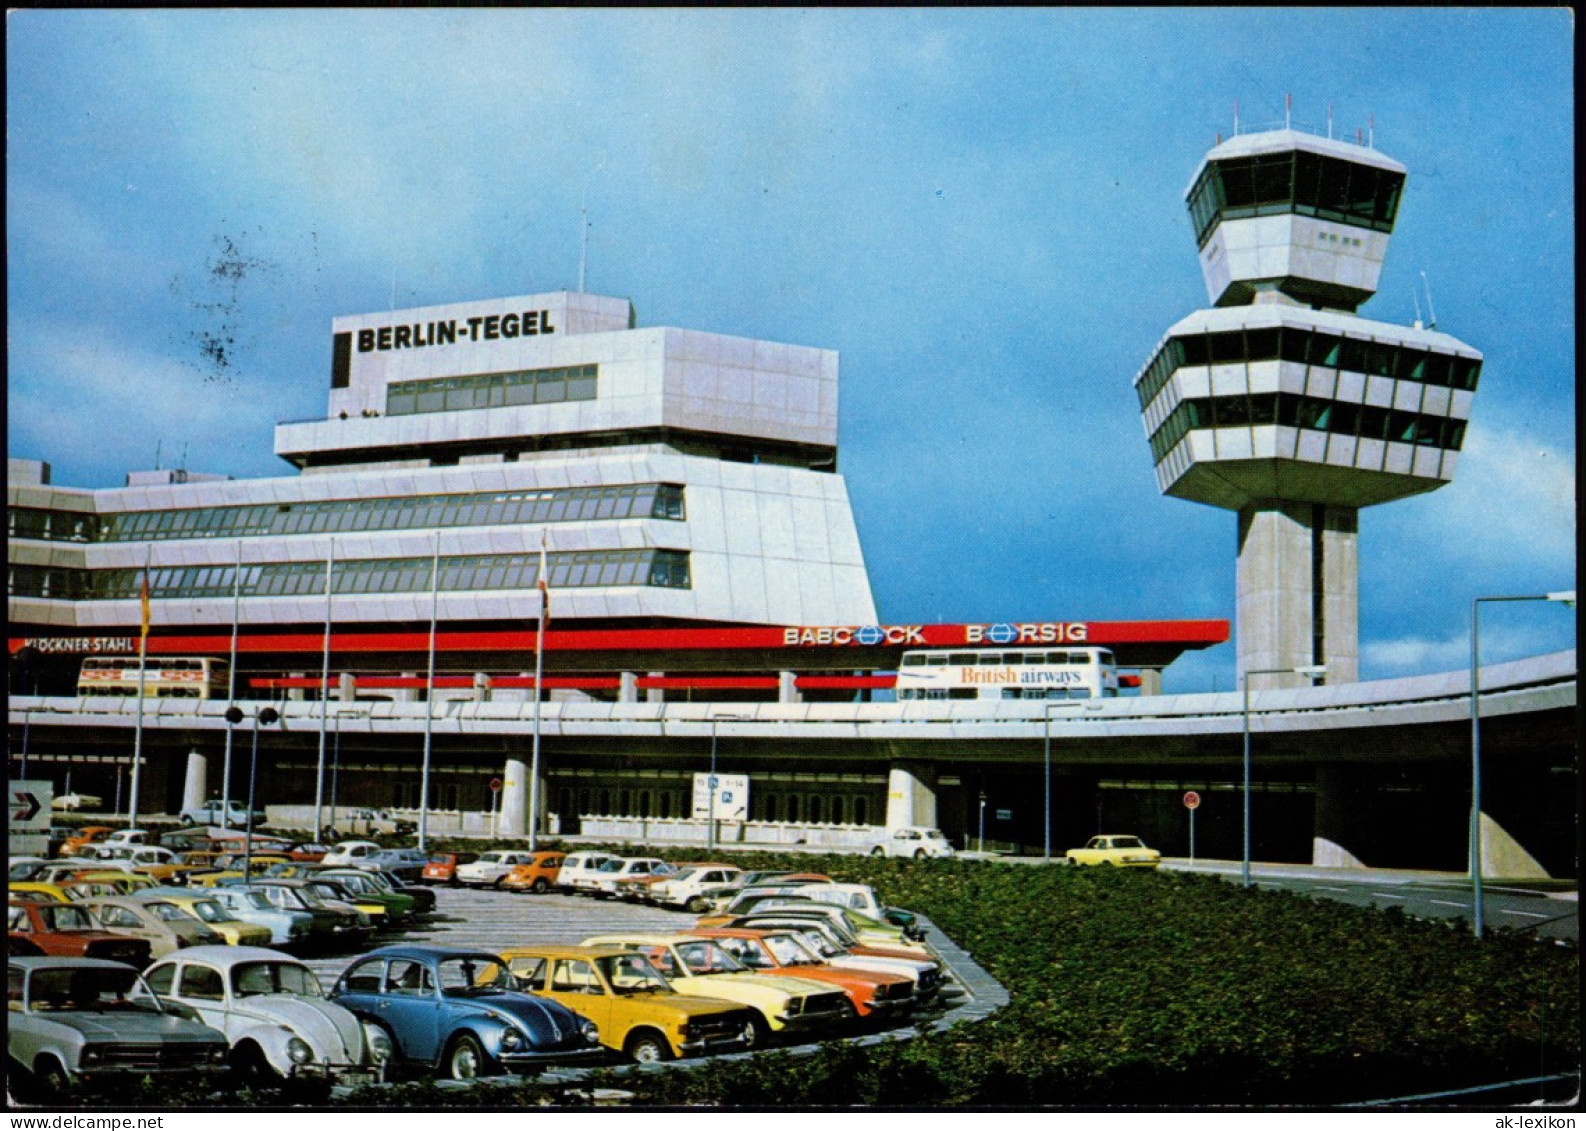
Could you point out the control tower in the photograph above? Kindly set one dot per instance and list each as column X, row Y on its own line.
column 1282, row 404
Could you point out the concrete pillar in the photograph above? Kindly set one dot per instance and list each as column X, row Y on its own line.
column 1150, row 681
column 1297, row 602
column 628, row 690
column 911, row 796
column 1341, row 814
column 655, row 694
column 513, row 819
column 195, row 789
column 787, row 688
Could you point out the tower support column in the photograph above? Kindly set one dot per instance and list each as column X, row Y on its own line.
column 1298, row 590
column 911, row 796
column 513, row 819
column 195, row 787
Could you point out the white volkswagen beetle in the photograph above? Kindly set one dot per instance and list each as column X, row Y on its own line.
column 275, row 1014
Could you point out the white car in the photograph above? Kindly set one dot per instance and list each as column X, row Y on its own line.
column 694, row 888
column 913, row 840
column 579, row 869
column 73, row 802
column 350, row 852
column 492, row 867
column 126, row 838
column 215, row 813
column 606, row 882
column 273, row 1012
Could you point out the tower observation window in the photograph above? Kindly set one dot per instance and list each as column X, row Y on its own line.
column 1298, row 181
column 493, row 390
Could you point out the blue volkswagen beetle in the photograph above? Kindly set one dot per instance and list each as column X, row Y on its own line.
column 458, row 1012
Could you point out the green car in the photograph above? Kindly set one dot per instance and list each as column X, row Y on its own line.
column 365, row 886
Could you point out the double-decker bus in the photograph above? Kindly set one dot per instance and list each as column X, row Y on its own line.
column 1000, row 673
column 166, row 677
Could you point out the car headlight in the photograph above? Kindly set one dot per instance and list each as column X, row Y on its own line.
column 590, row 1030
column 217, row 1055
column 379, row 1043
column 511, row 1041
column 90, row 1055
column 298, row 1051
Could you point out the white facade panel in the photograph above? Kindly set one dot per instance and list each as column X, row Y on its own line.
column 1379, row 391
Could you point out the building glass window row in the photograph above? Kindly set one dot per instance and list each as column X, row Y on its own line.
column 339, row 516
column 1310, row 184
column 1318, row 414
column 576, row 569
column 493, row 390
column 1308, row 347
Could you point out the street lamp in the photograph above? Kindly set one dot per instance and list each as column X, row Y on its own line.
column 265, row 717
column 1566, row 597
column 1244, row 684
column 1046, row 792
column 710, row 830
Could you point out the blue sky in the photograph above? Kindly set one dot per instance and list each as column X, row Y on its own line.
column 981, row 210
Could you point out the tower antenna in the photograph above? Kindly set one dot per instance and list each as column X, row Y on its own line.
column 1431, row 311
column 583, row 245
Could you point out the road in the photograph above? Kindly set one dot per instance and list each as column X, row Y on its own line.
column 1544, row 910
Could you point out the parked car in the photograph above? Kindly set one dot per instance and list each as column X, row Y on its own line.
column 914, row 841
column 75, row 802
column 167, row 927
column 362, row 887
column 349, row 852
column 636, row 1010
column 203, row 906
column 230, row 814
column 578, row 870
column 129, row 838
column 607, row 882
column 33, row 891
column 492, row 867
column 865, row 929
column 333, row 922
column 76, row 1019
column 66, row 930
column 24, row 867
column 539, row 875
column 286, row 927
column 856, row 897
column 85, row 836
column 702, row 967
column 1119, row 851
column 275, row 1014
column 694, row 886
column 844, row 950
column 407, row 864
column 459, row 1012
column 872, row 994
column 371, row 822
column 441, row 867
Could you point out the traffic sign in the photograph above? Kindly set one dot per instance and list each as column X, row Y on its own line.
column 1192, row 800
column 495, row 785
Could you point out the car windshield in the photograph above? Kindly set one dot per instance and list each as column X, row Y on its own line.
column 85, row 990
column 632, row 974
column 789, row 952
column 168, row 912
column 254, row 899
column 211, row 912
column 611, row 866
column 293, row 897
column 250, row 978
column 473, row 973
column 317, row 893
column 748, row 952
column 819, row 944
column 64, row 917
column 492, row 858
column 702, row 957
column 683, row 875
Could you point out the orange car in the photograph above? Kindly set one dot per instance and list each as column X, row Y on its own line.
column 538, row 876
column 442, row 867
column 871, row 993
column 84, row 837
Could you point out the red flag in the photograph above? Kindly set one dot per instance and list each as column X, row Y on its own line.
column 143, row 599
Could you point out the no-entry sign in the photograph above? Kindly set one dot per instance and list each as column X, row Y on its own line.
column 1192, row 799
column 495, row 785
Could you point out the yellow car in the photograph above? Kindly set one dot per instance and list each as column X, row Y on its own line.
column 701, row 967
column 637, row 1012
column 1119, row 851
column 40, row 893
column 209, row 912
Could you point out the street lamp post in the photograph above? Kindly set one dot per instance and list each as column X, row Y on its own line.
column 1566, row 597
column 1046, row 792
column 1244, row 683
column 982, row 822
column 710, row 830
column 265, row 717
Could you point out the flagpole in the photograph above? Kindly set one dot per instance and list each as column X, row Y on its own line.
column 231, row 691
column 539, row 674
column 143, row 665
column 429, row 698
column 324, row 704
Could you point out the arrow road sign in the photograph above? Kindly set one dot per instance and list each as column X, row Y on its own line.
column 24, row 807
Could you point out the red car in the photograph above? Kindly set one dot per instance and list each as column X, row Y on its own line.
column 68, row 931
column 442, row 867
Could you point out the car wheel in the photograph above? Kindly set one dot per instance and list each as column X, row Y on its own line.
column 919, row 854
column 878, row 851
column 50, row 1078
column 698, row 905
column 466, row 1060
column 647, row 1048
column 541, row 886
column 497, row 883
column 251, row 1068
column 759, row 1033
